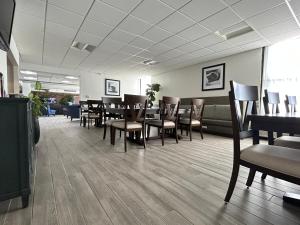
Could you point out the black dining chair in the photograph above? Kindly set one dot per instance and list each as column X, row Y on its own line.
column 290, row 104
column 109, row 118
column 83, row 111
column 194, row 118
column 277, row 161
column 134, row 118
column 271, row 99
column 94, row 112
column 169, row 107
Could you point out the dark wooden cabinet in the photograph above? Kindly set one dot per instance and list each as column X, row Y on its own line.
column 16, row 148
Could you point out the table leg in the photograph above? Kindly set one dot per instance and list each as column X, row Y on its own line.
column 255, row 137
column 270, row 138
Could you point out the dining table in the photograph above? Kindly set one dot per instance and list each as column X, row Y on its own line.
column 279, row 123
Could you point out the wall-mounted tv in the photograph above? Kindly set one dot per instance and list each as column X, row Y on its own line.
column 7, row 10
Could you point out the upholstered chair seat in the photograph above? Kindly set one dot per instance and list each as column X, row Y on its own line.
column 288, row 141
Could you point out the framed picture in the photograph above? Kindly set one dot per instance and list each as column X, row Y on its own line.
column 213, row 77
column 112, row 87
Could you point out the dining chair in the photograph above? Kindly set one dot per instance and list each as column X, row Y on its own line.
column 169, row 107
column 194, row 118
column 271, row 99
column 279, row 162
column 83, row 110
column 94, row 112
column 290, row 104
column 134, row 118
column 108, row 103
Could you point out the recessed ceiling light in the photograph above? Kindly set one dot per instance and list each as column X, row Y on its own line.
column 72, row 77
column 150, row 62
column 30, row 78
column 234, row 31
column 28, row 72
column 66, row 81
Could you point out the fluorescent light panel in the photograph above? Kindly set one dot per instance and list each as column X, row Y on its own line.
column 292, row 12
column 28, row 72
column 30, row 78
column 71, row 77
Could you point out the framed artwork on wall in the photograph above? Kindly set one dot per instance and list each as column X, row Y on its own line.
column 112, row 87
column 213, row 77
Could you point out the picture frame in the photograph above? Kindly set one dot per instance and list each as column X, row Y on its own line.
column 112, row 87
column 213, row 77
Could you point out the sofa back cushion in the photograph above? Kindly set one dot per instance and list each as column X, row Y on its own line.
column 223, row 112
column 209, row 111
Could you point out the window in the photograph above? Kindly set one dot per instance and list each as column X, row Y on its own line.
column 282, row 72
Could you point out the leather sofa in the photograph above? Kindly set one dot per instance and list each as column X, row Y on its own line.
column 73, row 111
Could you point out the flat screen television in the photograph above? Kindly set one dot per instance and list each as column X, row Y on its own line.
column 7, row 10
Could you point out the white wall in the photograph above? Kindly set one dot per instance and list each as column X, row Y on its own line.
column 187, row 82
column 92, row 86
column 14, row 58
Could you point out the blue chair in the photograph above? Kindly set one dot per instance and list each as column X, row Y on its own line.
column 73, row 111
column 51, row 112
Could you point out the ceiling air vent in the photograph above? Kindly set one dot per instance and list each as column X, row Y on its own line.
column 150, row 62
column 82, row 46
column 234, row 31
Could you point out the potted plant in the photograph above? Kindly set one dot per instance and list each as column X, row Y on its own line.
column 151, row 91
column 36, row 111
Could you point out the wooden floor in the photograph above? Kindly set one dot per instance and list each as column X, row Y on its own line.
column 82, row 180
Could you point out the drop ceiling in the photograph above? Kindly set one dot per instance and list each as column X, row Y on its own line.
column 175, row 33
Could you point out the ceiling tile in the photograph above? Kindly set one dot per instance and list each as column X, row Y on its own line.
column 134, row 25
column 122, row 36
column 296, row 6
column 145, row 54
column 158, row 49
column 231, row 2
column 194, row 32
column 88, row 38
column 63, row 17
column 283, row 36
column 176, row 4
column 201, row 9
column 105, row 13
column 59, row 34
column 201, row 52
column 221, row 20
column 130, row 50
column 156, row 34
column 109, row 45
column 208, row 40
column 152, row 11
column 174, row 41
column 248, row 8
column 189, row 47
column 33, row 8
column 221, row 46
column 96, row 28
column 141, row 43
column 125, row 5
column 74, row 57
column 80, row 7
column 176, row 22
column 168, row 55
column 279, row 28
column 272, row 16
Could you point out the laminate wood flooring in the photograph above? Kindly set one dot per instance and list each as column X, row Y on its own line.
column 80, row 179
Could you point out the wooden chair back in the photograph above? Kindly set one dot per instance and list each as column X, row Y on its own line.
column 290, row 103
column 135, row 108
column 197, row 108
column 108, row 102
column 170, row 107
column 94, row 106
column 271, row 99
column 83, row 106
column 242, row 103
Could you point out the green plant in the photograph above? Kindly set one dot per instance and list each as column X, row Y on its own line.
column 37, row 104
column 66, row 99
column 151, row 91
column 38, row 85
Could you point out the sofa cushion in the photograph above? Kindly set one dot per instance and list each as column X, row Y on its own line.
column 223, row 112
column 224, row 123
column 280, row 159
column 209, row 111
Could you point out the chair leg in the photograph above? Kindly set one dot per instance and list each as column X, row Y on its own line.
column 125, row 141
column 263, row 176
column 181, row 130
column 187, row 131
column 80, row 121
column 234, row 176
column 201, row 132
column 104, row 132
column 176, row 134
column 162, row 136
column 148, row 132
column 144, row 139
column 120, row 133
column 113, row 135
column 191, row 132
column 88, row 123
column 250, row 177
